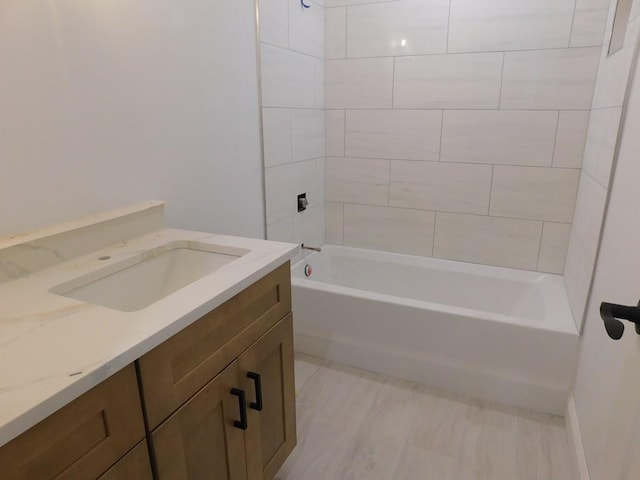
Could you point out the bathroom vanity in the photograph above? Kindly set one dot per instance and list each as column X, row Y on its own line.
column 197, row 384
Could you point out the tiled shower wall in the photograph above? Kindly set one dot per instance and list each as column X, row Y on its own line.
column 605, row 120
column 292, row 56
column 456, row 129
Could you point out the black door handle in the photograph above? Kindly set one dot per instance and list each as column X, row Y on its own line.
column 612, row 314
column 242, row 401
column 257, row 405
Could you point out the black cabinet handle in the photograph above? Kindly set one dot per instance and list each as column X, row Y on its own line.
column 611, row 313
column 242, row 401
column 257, row 405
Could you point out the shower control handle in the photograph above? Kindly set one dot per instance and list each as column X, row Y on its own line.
column 612, row 313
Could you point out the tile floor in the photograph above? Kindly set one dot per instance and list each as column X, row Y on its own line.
column 354, row 425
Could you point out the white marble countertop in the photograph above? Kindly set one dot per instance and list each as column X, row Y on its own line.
column 54, row 348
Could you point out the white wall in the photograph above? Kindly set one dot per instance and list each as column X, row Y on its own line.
column 107, row 103
column 613, row 74
column 292, row 48
column 607, row 391
column 456, row 128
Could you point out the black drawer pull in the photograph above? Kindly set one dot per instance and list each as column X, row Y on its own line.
column 242, row 402
column 257, row 405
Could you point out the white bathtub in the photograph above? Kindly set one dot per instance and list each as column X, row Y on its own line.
column 492, row 333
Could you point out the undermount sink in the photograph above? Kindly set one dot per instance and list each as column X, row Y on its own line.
column 137, row 282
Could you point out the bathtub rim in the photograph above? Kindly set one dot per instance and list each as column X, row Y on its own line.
column 552, row 286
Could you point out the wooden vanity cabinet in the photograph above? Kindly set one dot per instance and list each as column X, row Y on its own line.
column 206, row 439
column 215, row 401
column 271, row 435
column 83, row 439
column 133, row 466
column 174, row 371
column 235, row 362
column 200, row 441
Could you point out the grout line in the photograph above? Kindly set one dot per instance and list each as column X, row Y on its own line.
column 504, row 60
column 389, row 186
column 493, row 167
column 449, row 162
column 441, row 135
column 433, row 238
column 555, row 143
column 448, row 28
column 540, row 245
column 345, row 32
column 291, row 136
column 605, row 108
column 342, row 205
column 288, row 29
column 448, row 212
column 393, row 83
column 292, row 50
column 439, row 107
column 573, row 21
column 470, row 52
column 344, row 133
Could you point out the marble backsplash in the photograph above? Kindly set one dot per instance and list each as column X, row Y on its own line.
column 26, row 253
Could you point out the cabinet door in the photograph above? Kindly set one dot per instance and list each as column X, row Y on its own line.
column 272, row 431
column 82, row 439
column 134, row 465
column 200, row 441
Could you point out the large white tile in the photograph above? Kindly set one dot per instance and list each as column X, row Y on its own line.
column 281, row 231
column 553, row 247
column 335, row 32
column 494, row 25
column 360, row 83
column 589, row 23
column 448, row 81
column 334, row 132
column 390, row 229
column 306, row 29
column 440, row 186
column 357, row 180
column 307, row 134
column 613, row 74
column 393, row 134
column 289, row 78
column 308, row 226
column 571, row 138
column 284, row 184
column 534, row 193
column 276, row 127
column 408, row 27
column 320, row 181
column 560, row 79
column 635, row 10
column 499, row 137
column 601, row 144
column 274, row 22
column 587, row 222
column 488, row 240
column 334, row 221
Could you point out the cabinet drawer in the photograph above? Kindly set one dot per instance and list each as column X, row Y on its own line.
column 134, row 465
column 175, row 370
column 82, row 439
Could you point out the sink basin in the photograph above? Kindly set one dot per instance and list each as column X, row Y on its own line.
column 136, row 283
